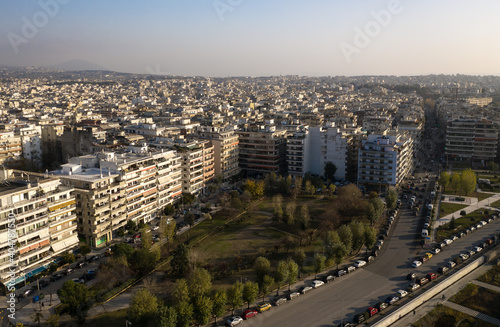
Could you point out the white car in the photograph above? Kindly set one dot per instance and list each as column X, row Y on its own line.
column 478, row 249
column 448, row 241
column 360, row 263
column 402, row 293
column 416, row 264
column 234, row 320
column 436, row 250
column 155, row 228
column 317, row 283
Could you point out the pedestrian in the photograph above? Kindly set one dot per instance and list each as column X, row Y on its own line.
column 414, row 312
column 444, row 297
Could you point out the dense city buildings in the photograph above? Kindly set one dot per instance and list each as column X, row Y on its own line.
column 45, row 222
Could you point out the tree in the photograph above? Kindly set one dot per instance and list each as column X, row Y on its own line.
column 468, row 181
column 319, row 264
column 304, row 217
column 84, row 249
column 181, row 291
column 53, row 320
column 492, row 166
column 255, row 188
column 358, row 234
column 250, row 292
column 235, row 295
column 372, row 214
column 146, row 238
column 202, row 309
column 143, row 261
column 188, row 198
column 167, row 228
column 332, row 188
column 190, row 218
column 453, row 223
column 391, row 198
column 444, row 180
column 290, row 213
column 330, row 170
column 76, row 296
column 122, row 249
column 68, row 257
column 37, row 317
column 330, row 240
column 143, row 308
column 265, row 285
column 219, row 304
column 184, row 314
column 339, row 253
column 114, row 272
column 166, row 317
column 261, row 267
column 278, row 210
column 168, row 210
column 293, row 272
column 370, row 235
column 300, row 256
column 297, row 188
column 131, row 225
column 281, row 274
column 455, row 182
column 345, row 234
column 199, row 283
column 180, row 261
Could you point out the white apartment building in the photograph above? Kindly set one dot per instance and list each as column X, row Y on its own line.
column 10, row 147
column 113, row 188
column 197, row 161
column 31, row 140
column 45, row 222
column 385, row 160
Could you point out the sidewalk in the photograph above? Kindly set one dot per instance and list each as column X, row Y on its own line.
column 481, row 204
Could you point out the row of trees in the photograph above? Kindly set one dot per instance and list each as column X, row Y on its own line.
column 459, row 182
column 290, row 214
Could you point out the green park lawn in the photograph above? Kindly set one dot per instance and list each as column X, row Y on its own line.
column 479, row 299
column 461, row 223
column 448, row 208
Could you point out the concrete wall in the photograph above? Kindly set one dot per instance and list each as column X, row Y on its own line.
column 419, row 300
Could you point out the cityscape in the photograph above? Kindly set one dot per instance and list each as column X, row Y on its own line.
column 211, row 186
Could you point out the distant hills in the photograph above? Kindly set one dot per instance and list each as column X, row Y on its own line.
column 77, row 65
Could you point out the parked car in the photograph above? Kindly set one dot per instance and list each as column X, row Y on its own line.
column 293, row 295
column 442, row 270
column 350, row 269
column 264, row 307
column 341, row 272
column 402, row 293
column 249, row 314
column 328, row 278
column 278, row 301
column 448, row 241
column 55, row 277
column 428, row 255
column 436, row 250
column 451, row 264
column 392, row 299
column 360, row 263
column 78, row 280
column 422, row 281
column 381, row 306
column 372, row 311
column 478, row 249
column 26, row 293
column 431, row 276
column 234, row 320
column 43, row 283
column 413, row 287
column 305, row 289
column 416, row 264
column 360, row 317
column 68, row 271
column 411, row 276
column 317, row 283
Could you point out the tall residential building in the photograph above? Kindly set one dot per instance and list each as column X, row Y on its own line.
column 310, row 148
column 51, row 144
column 45, row 222
column 113, row 188
column 414, row 127
column 385, row 160
column 226, row 149
column 31, row 139
column 197, row 161
column 473, row 140
column 262, row 150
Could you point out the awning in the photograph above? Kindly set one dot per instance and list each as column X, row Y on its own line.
column 64, row 244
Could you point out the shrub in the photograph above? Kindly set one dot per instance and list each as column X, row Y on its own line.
column 462, row 213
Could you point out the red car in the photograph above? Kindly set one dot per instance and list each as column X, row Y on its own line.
column 249, row 314
column 372, row 311
column 431, row 276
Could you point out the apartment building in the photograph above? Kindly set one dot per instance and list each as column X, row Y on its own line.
column 226, row 149
column 51, row 143
column 113, row 188
column 310, row 148
column 45, row 222
column 262, row 150
column 31, row 140
column 414, row 127
column 471, row 139
column 10, row 146
column 385, row 160
column 197, row 161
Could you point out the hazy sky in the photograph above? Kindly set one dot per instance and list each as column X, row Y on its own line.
column 256, row 37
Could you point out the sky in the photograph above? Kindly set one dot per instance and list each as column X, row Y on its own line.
column 220, row 38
